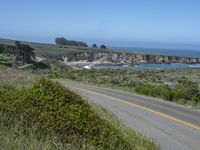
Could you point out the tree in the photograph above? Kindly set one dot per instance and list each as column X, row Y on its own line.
column 147, row 57
column 103, row 46
column 23, row 52
column 94, row 46
column 7, row 50
column 28, row 54
column 1, row 48
column 60, row 41
column 63, row 41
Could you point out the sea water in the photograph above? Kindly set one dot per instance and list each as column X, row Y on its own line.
column 148, row 66
column 171, row 52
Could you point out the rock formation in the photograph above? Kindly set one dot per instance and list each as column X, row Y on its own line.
column 127, row 58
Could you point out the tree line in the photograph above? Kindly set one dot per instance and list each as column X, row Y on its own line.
column 63, row 41
column 20, row 52
column 101, row 46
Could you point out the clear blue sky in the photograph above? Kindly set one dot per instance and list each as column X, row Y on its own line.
column 137, row 23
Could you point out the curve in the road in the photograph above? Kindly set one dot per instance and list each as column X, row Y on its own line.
column 150, row 110
column 170, row 125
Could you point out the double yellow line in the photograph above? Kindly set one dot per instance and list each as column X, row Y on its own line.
column 147, row 109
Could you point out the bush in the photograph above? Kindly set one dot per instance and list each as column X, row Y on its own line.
column 184, row 92
column 51, row 109
column 160, row 90
column 181, row 90
column 13, row 137
column 187, row 89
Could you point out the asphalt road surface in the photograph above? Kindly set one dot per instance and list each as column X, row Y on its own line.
column 172, row 126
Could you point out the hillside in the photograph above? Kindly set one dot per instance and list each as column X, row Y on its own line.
column 52, row 51
column 46, row 115
column 74, row 54
column 46, row 50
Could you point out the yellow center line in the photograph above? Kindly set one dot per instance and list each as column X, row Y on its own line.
column 148, row 109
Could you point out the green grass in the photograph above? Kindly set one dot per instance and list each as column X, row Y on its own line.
column 9, row 61
column 162, row 84
column 52, row 51
column 46, row 50
column 14, row 137
column 42, row 113
column 5, row 60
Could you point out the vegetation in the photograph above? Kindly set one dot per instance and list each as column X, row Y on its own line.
column 6, row 49
column 23, row 52
column 185, row 91
column 48, row 115
column 103, row 47
column 20, row 52
column 176, row 88
column 52, row 51
column 13, row 137
column 51, row 54
column 94, row 45
column 7, row 61
column 49, row 51
column 63, row 41
column 14, row 78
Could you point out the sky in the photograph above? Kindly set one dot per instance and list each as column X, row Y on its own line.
column 125, row 23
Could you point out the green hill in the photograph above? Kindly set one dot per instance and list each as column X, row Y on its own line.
column 51, row 51
column 43, row 113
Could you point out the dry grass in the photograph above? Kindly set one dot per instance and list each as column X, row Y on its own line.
column 15, row 78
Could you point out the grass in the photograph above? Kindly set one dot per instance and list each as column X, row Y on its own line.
column 46, row 115
column 7, row 61
column 162, row 84
column 49, row 51
column 52, row 51
column 14, row 137
column 15, row 78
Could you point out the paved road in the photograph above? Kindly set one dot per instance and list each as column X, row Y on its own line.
column 172, row 126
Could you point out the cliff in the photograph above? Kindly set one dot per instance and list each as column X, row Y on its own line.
column 127, row 58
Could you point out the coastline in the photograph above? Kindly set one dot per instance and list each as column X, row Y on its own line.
column 139, row 66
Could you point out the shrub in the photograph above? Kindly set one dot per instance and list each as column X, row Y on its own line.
column 184, row 92
column 13, row 137
column 187, row 89
column 160, row 90
column 51, row 109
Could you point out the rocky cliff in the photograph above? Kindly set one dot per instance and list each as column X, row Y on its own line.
column 128, row 58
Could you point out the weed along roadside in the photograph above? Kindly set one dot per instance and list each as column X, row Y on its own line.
column 49, row 112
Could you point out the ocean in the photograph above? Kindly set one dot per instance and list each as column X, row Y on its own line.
column 148, row 66
column 170, row 52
